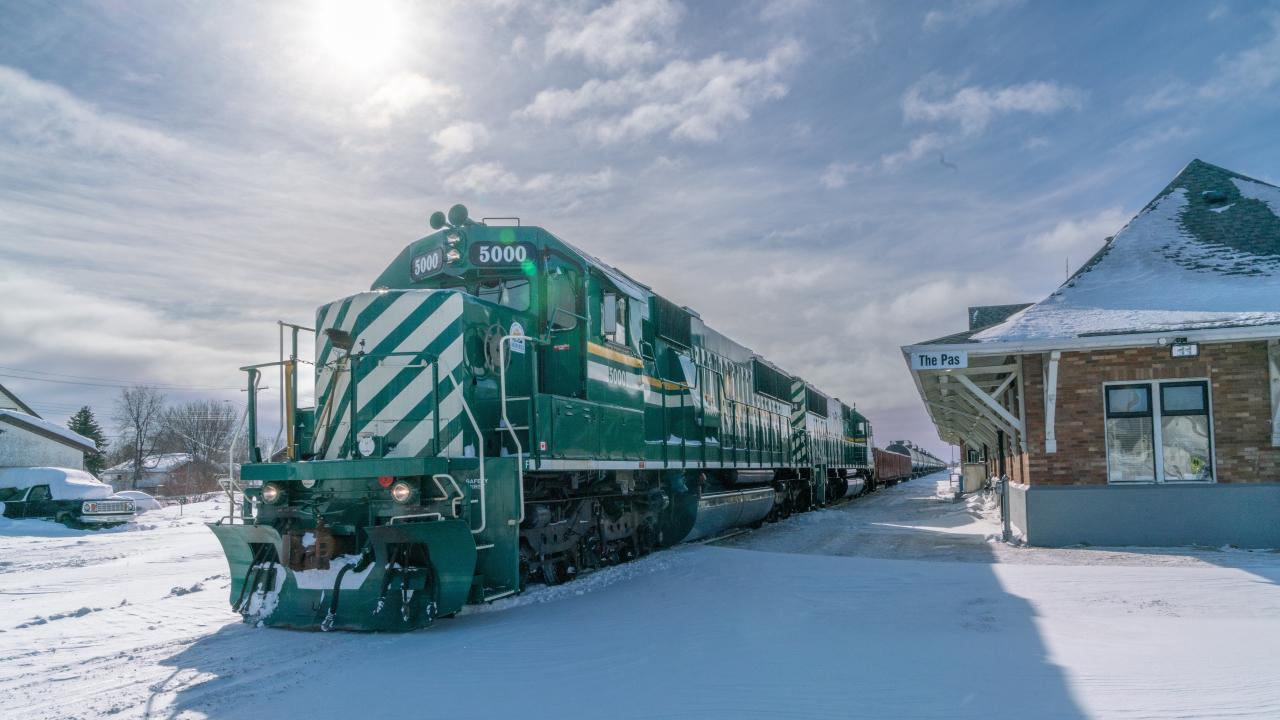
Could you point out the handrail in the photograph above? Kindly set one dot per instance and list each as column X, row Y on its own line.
column 480, row 446
column 444, row 494
column 506, row 422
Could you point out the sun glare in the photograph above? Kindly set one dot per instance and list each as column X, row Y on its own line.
column 358, row 35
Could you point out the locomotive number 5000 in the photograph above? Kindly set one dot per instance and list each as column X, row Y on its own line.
column 500, row 253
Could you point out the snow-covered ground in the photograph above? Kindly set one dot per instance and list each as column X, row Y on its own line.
column 896, row 605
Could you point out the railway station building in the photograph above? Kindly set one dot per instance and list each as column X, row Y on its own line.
column 1138, row 404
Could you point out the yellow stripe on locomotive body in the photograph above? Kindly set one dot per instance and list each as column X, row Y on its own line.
column 614, row 355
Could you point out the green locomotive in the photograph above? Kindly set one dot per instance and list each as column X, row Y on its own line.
column 502, row 408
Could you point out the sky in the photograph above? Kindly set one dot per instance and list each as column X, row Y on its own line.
column 823, row 182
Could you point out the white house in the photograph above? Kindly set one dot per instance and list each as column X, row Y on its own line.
column 158, row 471
column 28, row 440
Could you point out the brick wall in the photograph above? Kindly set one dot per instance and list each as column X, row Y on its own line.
column 1239, row 393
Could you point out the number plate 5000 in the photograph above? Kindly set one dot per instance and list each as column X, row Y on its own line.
column 427, row 263
column 490, row 254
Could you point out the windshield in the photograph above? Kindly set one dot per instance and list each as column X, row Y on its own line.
column 508, row 293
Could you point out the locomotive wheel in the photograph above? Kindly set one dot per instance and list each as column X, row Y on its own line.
column 526, row 565
column 554, row 572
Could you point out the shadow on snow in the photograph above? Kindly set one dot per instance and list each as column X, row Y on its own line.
column 695, row 632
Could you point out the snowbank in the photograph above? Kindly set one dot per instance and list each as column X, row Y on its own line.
column 64, row 483
column 142, row 502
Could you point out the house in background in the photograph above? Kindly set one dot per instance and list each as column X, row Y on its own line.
column 1139, row 404
column 28, row 440
column 9, row 401
column 163, row 474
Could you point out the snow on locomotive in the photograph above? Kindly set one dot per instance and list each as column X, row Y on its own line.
column 503, row 408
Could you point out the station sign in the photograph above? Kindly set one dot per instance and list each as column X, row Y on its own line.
column 948, row 360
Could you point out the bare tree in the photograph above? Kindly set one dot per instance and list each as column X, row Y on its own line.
column 138, row 413
column 202, row 429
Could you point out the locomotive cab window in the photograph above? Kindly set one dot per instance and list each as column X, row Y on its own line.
column 562, row 302
column 513, row 293
column 613, row 318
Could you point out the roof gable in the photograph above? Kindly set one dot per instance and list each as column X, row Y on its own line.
column 9, row 401
column 1204, row 253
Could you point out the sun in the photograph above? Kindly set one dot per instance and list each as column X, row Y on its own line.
column 359, row 35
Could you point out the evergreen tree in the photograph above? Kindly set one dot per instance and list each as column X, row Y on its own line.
column 86, row 424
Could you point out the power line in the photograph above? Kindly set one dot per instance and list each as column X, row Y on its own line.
column 120, row 384
column 66, row 375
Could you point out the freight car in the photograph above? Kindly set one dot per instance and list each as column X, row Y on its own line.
column 892, row 466
column 503, row 408
column 923, row 462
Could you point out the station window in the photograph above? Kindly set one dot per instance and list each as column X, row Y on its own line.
column 1159, row 432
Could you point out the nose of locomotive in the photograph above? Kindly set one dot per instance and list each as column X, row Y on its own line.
column 385, row 365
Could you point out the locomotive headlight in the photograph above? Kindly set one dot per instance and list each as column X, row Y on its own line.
column 402, row 492
column 453, row 255
column 272, row 493
column 453, row 238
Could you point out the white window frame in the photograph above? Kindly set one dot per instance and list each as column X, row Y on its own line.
column 1157, row 433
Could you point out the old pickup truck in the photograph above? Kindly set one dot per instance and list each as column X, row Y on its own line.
column 72, row 497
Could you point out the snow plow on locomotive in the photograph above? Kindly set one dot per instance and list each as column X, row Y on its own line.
column 503, row 408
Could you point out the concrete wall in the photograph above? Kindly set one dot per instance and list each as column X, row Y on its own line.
column 21, row 448
column 1018, row 509
column 1241, row 514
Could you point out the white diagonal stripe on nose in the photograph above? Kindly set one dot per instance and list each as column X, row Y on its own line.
column 422, row 336
column 414, row 392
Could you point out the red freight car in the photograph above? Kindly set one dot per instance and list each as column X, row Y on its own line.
column 891, row 467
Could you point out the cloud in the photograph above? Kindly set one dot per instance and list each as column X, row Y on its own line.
column 961, row 12
column 624, row 34
column 459, row 139
column 1167, row 96
column 837, row 175
column 1159, row 136
column 776, row 10
column 692, row 101
column 1080, row 238
column 1255, row 69
column 918, row 147
column 974, row 107
column 493, row 178
column 42, row 114
column 63, row 321
column 398, row 97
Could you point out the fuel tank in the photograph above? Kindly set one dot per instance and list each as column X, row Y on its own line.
column 720, row 511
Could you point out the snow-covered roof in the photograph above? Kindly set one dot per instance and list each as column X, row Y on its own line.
column 1204, row 254
column 164, row 462
column 53, row 431
column 64, row 483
